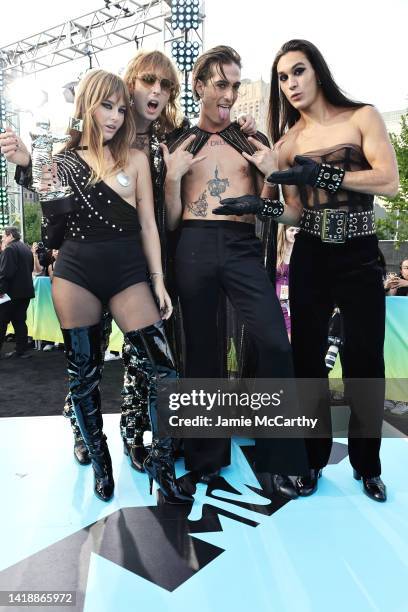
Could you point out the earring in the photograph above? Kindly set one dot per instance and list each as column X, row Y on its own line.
column 131, row 102
column 319, row 82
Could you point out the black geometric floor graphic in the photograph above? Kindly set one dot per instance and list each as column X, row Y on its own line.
column 153, row 542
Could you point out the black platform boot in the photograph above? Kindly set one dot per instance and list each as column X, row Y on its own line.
column 151, row 349
column 134, row 420
column 83, row 352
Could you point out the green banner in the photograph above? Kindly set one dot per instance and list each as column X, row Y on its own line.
column 42, row 321
column 395, row 350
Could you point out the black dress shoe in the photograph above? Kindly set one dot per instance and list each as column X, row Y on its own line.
column 284, row 486
column 81, row 453
column 307, row 485
column 207, row 477
column 137, row 455
column 373, row 487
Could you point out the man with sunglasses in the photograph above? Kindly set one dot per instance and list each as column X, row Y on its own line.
column 153, row 84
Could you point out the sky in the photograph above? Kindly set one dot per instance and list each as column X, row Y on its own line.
column 363, row 41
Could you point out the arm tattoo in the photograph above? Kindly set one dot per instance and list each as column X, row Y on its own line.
column 217, row 186
column 199, row 207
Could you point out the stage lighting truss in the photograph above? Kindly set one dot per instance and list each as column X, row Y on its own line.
column 185, row 54
column 190, row 105
column 185, row 15
column 4, row 216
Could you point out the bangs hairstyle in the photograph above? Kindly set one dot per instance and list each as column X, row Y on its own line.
column 282, row 115
column 95, row 87
column 217, row 56
column 155, row 61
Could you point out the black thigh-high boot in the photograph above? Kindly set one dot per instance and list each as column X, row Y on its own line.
column 80, row 450
column 134, row 420
column 152, row 353
column 84, row 357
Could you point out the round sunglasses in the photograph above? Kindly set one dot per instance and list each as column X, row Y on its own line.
column 149, row 79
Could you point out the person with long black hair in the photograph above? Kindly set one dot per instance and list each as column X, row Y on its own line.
column 334, row 156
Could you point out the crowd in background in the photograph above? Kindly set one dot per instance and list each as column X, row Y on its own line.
column 395, row 284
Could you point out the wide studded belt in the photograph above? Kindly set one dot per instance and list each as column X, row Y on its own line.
column 337, row 226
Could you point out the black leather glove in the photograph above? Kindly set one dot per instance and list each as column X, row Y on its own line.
column 309, row 172
column 250, row 205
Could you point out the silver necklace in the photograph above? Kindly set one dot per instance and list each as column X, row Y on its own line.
column 123, row 179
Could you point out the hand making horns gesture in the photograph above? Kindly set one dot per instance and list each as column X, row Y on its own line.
column 264, row 158
column 180, row 161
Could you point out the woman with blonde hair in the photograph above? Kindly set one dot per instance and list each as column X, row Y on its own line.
column 110, row 244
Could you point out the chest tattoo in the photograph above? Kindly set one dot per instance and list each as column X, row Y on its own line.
column 217, row 186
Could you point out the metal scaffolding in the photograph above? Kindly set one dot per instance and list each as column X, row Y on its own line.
column 117, row 23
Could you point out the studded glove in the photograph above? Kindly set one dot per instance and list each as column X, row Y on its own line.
column 309, row 172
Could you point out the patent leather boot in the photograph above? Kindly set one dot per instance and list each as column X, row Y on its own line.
column 84, row 357
column 151, row 349
column 373, row 487
column 81, row 453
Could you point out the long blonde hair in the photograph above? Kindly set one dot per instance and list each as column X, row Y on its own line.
column 280, row 245
column 95, row 87
column 150, row 61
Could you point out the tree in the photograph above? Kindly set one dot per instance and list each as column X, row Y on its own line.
column 32, row 222
column 395, row 225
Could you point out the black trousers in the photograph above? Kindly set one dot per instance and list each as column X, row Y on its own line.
column 348, row 275
column 15, row 312
column 225, row 255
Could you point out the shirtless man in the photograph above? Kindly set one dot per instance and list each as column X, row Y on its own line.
column 217, row 253
column 334, row 157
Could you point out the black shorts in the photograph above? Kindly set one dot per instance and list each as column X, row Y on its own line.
column 104, row 268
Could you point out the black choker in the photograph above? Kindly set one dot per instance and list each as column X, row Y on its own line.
column 85, row 147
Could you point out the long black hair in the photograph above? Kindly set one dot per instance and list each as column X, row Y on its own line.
column 282, row 114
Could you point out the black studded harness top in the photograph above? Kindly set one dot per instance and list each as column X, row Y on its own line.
column 101, row 213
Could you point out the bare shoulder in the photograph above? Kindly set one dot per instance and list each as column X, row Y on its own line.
column 136, row 156
column 366, row 115
column 137, row 161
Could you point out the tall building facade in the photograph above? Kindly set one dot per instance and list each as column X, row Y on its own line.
column 253, row 98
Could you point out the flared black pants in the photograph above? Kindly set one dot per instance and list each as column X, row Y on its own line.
column 348, row 275
column 226, row 255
